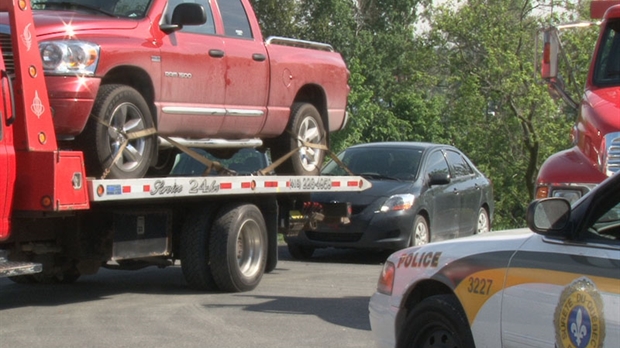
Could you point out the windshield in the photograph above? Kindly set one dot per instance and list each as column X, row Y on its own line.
column 388, row 162
column 114, row 8
column 607, row 69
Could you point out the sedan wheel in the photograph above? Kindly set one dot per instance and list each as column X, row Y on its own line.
column 421, row 234
column 483, row 222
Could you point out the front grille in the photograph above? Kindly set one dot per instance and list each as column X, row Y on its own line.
column 333, row 237
column 7, row 53
column 612, row 162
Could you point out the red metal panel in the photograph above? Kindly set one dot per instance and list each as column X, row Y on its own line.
column 598, row 8
column 51, row 181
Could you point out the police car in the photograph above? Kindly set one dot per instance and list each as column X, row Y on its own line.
column 556, row 284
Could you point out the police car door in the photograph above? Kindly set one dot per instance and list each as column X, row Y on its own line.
column 565, row 292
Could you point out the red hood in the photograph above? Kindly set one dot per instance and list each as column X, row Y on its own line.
column 605, row 102
column 55, row 22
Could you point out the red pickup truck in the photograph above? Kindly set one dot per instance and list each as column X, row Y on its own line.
column 198, row 72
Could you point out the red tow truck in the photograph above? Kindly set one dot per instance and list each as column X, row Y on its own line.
column 596, row 134
column 57, row 224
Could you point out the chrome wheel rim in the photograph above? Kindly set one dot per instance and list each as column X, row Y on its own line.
column 126, row 119
column 249, row 248
column 309, row 132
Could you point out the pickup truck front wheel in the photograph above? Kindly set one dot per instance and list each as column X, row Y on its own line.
column 118, row 111
column 305, row 125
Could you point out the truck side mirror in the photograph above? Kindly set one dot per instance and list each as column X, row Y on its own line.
column 551, row 48
column 187, row 13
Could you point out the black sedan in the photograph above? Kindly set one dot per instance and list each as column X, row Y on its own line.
column 421, row 193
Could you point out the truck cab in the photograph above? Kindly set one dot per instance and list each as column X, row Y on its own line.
column 595, row 154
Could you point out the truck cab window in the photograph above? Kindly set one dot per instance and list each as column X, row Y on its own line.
column 236, row 23
column 607, row 69
column 208, row 28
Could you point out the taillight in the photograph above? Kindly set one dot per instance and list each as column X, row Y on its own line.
column 386, row 280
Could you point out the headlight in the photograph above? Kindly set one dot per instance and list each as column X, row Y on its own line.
column 385, row 285
column 570, row 195
column 69, row 57
column 398, row 202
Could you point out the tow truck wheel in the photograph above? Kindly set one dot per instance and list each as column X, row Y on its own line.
column 119, row 110
column 305, row 125
column 194, row 249
column 299, row 252
column 437, row 321
column 238, row 248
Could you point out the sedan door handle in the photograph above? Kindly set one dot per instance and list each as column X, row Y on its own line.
column 216, row 53
column 259, row 57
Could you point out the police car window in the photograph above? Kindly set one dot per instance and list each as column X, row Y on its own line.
column 608, row 225
column 207, row 28
column 236, row 23
column 437, row 164
column 458, row 164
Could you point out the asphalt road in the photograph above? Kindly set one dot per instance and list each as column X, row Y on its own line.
column 321, row 303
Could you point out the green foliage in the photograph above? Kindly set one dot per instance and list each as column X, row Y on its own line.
column 458, row 72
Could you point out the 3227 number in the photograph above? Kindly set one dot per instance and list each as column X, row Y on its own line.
column 480, row 286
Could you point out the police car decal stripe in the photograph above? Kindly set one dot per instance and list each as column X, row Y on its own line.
column 475, row 279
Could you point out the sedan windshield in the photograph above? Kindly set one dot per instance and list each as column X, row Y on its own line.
column 113, row 8
column 378, row 162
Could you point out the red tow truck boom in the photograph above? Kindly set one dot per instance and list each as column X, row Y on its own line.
column 57, row 224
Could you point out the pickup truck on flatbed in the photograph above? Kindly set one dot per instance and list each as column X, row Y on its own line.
column 199, row 72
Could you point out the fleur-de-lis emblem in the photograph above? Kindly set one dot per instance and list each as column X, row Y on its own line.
column 27, row 37
column 577, row 328
column 37, row 106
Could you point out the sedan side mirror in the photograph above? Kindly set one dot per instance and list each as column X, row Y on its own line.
column 548, row 215
column 439, row 178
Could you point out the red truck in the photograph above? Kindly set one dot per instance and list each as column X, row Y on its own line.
column 596, row 134
column 199, row 72
column 57, row 224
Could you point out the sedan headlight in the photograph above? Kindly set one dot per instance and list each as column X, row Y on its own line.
column 398, row 202
column 70, row 57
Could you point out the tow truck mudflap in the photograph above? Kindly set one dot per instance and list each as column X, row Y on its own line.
column 16, row 268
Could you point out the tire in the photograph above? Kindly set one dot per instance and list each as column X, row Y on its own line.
column 194, row 249
column 165, row 162
column 64, row 277
column 238, row 248
column 300, row 252
column 421, row 234
column 437, row 321
column 305, row 123
column 483, row 225
column 118, row 110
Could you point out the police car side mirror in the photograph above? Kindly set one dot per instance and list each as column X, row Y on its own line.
column 548, row 215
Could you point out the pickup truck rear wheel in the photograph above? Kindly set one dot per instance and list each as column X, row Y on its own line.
column 118, row 111
column 238, row 248
column 305, row 125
